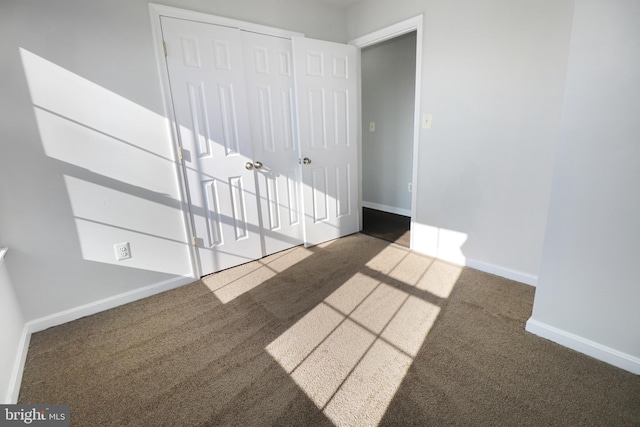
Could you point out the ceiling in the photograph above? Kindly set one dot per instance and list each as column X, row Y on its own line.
column 338, row 3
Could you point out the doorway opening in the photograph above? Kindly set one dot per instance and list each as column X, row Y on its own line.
column 389, row 105
column 386, row 226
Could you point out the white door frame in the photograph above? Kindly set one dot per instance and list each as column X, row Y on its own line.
column 392, row 31
column 156, row 11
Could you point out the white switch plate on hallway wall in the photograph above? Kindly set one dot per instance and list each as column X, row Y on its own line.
column 426, row 121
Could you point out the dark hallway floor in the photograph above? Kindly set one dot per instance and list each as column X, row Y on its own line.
column 386, row 226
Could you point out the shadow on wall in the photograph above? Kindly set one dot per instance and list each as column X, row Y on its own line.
column 116, row 171
column 359, row 335
column 109, row 148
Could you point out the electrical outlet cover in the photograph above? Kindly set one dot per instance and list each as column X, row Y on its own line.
column 123, row 251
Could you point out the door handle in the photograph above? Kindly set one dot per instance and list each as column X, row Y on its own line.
column 249, row 166
column 305, row 161
column 258, row 165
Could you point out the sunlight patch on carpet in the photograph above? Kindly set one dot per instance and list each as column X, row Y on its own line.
column 411, row 269
column 379, row 307
column 292, row 347
column 365, row 395
column 440, row 279
column 352, row 351
column 347, row 297
column 410, row 326
column 323, row 371
column 387, row 259
column 229, row 284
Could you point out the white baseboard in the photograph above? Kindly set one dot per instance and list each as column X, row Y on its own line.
column 18, row 366
column 385, row 208
column 65, row 316
column 447, row 245
column 590, row 348
column 518, row 276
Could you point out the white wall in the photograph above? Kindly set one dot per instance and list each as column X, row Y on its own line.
column 388, row 99
column 493, row 76
column 86, row 157
column 315, row 19
column 589, row 289
column 11, row 327
column 86, row 160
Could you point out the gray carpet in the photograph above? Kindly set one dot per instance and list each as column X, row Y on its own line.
column 353, row 332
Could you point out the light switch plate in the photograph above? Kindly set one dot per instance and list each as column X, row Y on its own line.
column 426, row 121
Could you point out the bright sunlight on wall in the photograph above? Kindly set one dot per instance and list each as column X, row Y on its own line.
column 112, row 144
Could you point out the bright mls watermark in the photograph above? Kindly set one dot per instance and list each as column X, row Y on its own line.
column 34, row 415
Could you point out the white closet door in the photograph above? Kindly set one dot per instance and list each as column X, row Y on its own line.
column 206, row 73
column 326, row 90
column 270, row 92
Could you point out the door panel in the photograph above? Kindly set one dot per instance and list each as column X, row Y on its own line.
column 238, row 122
column 205, row 65
column 343, row 190
column 326, row 88
column 270, row 95
column 319, row 184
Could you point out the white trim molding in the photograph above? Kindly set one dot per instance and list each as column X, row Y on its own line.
column 17, row 344
column 71, row 314
column 582, row 345
column 18, row 367
column 395, row 30
column 65, row 316
column 508, row 273
column 158, row 10
column 447, row 245
column 385, row 208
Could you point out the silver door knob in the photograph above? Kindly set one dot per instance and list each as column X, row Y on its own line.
column 306, row 161
column 249, row 165
column 258, row 165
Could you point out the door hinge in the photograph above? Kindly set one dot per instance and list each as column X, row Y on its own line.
column 195, row 241
column 164, row 46
column 180, row 154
